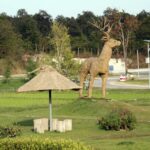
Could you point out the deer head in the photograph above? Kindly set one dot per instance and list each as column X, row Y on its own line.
column 104, row 26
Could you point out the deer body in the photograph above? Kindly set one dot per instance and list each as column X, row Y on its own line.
column 98, row 66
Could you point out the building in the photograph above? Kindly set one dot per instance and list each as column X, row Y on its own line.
column 116, row 66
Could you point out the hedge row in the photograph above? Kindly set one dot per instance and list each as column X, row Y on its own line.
column 40, row 144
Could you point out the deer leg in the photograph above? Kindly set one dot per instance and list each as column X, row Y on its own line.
column 90, row 86
column 82, row 78
column 104, row 80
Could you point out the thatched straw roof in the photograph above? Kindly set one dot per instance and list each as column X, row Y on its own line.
column 48, row 79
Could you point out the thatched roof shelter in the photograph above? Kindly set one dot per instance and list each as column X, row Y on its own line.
column 48, row 79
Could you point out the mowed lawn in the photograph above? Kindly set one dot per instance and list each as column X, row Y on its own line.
column 22, row 108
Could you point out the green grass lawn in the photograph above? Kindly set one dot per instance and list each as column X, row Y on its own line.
column 22, row 108
column 139, row 81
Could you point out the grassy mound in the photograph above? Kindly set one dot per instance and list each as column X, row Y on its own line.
column 20, row 109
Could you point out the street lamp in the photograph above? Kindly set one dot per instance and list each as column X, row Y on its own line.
column 148, row 51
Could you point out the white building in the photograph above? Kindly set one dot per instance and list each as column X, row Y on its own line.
column 116, row 66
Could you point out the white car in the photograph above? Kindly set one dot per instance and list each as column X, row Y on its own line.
column 123, row 77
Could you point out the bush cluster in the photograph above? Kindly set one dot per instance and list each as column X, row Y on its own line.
column 9, row 131
column 118, row 119
column 7, row 74
column 31, row 66
column 40, row 144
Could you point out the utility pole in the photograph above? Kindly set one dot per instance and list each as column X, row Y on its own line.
column 138, row 62
column 148, row 51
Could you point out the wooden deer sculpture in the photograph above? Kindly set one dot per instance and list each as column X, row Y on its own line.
column 99, row 65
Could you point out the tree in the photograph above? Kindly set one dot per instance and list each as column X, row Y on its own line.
column 44, row 23
column 83, row 35
column 69, row 67
column 21, row 13
column 125, row 26
column 85, row 28
column 10, row 42
column 143, row 31
column 10, row 47
column 27, row 27
column 61, row 44
column 77, row 39
column 128, row 25
column 89, row 35
column 143, row 15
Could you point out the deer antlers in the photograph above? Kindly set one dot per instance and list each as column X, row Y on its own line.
column 104, row 26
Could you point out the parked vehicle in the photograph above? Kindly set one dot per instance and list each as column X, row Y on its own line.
column 123, row 77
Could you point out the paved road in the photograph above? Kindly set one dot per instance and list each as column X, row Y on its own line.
column 114, row 83
column 15, row 76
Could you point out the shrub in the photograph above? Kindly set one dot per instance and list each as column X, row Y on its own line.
column 7, row 74
column 9, row 131
column 128, row 120
column 118, row 119
column 40, row 144
column 31, row 66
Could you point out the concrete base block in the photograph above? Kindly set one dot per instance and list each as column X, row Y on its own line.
column 60, row 126
column 68, row 124
column 40, row 125
column 55, row 124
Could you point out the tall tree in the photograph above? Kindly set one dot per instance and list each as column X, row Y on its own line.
column 143, row 15
column 27, row 27
column 74, row 31
column 89, row 35
column 143, row 32
column 125, row 27
column 85, row 28
column 10, row 42
column 128, row 25
column 44, row 23
column 21, row 13
column 61, row 44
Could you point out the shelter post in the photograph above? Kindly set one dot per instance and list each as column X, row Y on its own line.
column 50, row 111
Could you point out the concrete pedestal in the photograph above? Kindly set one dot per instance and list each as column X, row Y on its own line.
column 40, row 125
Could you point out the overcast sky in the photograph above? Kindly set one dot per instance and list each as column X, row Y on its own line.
column 69, row 8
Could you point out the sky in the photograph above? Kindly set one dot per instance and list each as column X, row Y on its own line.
column 71, row 8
